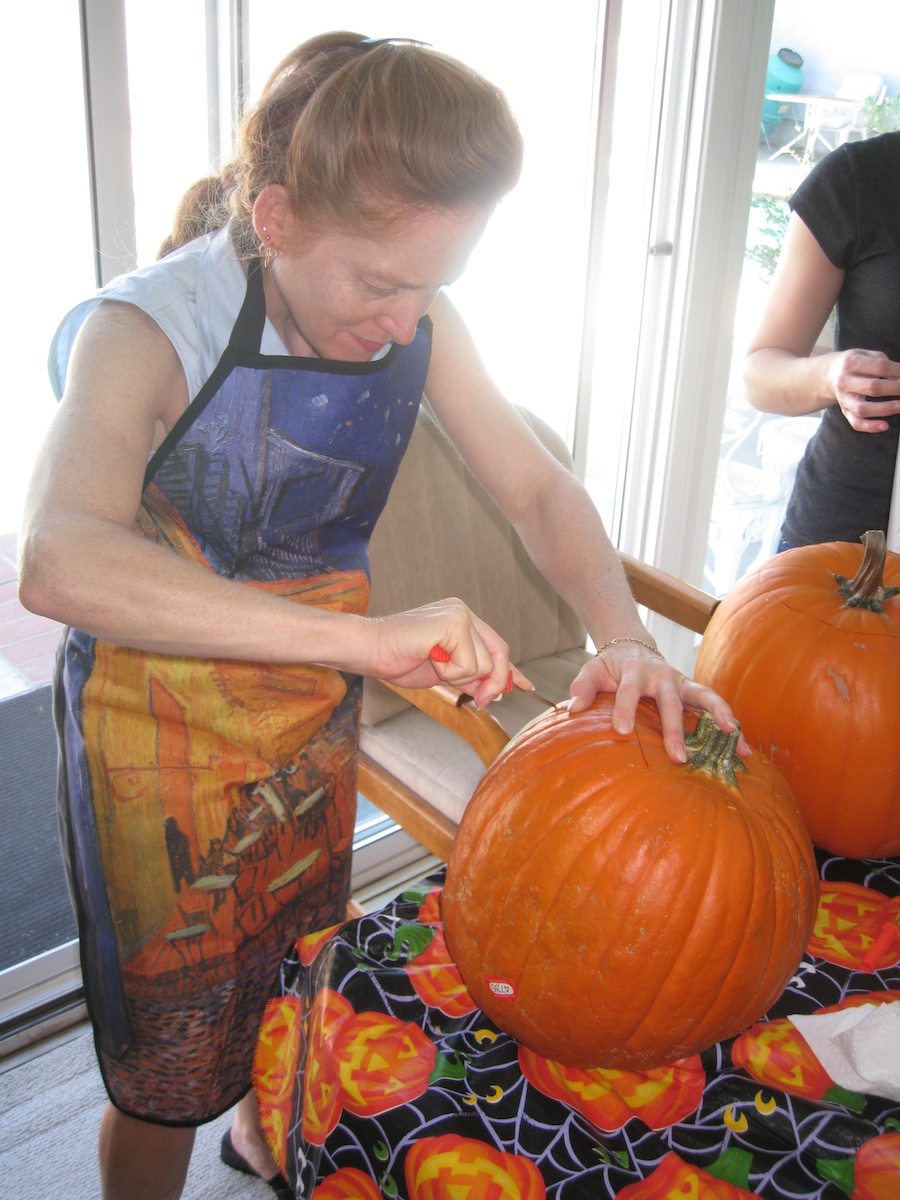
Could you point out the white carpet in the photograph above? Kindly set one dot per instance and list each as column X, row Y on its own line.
column 51, row 1101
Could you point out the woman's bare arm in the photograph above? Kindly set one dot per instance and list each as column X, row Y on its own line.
column 83, row 563
column 781, row 372
column 562, row 530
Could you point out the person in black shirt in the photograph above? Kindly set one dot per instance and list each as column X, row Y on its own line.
column 842, row 248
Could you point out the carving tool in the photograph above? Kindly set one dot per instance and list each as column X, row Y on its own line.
column 439, row 654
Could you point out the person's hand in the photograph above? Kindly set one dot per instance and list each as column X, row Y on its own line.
column 858, row 378
column 444, row 642
column 631, row 671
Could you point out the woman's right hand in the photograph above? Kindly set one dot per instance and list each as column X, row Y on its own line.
column 783, row 371
column 478, row 662
column 858, row 378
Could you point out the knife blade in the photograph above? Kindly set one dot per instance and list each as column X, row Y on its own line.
column 439, row 654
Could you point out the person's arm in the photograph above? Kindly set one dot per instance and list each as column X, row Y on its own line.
column 84, row 564
column 781, row 373
column 563, row 533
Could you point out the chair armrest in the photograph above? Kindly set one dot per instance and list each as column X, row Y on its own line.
column 668, row 595
column 448, row 706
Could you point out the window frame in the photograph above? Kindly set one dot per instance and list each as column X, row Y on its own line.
column 708, row 137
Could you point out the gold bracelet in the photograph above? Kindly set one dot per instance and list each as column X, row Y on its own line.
column 635, row 641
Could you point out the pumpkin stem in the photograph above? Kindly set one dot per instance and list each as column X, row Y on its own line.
column 866, row 589
column 713, row 752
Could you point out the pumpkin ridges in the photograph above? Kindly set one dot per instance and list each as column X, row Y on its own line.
column 624, row 926
column 484, row 799
column 805, row 681
column 484, row 837
column 765, row 915
column 755, row 912
column 801, row 866
column 713, row 889
column 830, row 728
column 668, row 856
column 494, row 931
column 660, row 1002
column 580, row 777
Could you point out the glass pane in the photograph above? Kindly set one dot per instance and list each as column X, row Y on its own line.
column 169, row 120
column 815, row 53
column 47, row 204
column 523, row 291
column 34, row 901
column 52, row 267
column 624, row 266
column 50, row 149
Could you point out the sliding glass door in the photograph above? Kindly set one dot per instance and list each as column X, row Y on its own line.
column 811, row 53
column 81, row 215
column 46, row 210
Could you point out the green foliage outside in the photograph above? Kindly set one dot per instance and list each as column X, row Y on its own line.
column 883, row 117
column 768, row 219
column 769, row 214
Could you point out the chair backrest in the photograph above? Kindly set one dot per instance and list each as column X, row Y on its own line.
column 442, row 535
column 840, row 115
column 859, row 87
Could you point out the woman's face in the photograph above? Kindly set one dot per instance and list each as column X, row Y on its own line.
column 344, row 295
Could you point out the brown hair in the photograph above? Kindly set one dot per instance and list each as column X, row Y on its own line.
column 202, row 208
column 360, row 133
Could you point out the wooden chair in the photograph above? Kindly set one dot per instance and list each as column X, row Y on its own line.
column 422, row 752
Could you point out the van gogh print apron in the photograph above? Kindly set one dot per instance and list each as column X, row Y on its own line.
column 208, row 806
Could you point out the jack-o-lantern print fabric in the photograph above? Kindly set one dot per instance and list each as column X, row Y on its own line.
column 378, row 1076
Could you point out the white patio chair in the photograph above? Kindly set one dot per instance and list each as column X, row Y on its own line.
column 838, row 117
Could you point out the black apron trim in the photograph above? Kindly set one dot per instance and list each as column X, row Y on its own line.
column 248, row 329
column 243, row 350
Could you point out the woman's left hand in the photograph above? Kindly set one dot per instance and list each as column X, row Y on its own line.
column 631, row 671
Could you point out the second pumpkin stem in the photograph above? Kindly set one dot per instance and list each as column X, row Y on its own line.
column 867, row 588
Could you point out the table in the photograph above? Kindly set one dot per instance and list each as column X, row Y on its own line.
column 809, row 132
column 378, row 1076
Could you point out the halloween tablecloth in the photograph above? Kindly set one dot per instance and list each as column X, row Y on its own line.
column 377, row 1076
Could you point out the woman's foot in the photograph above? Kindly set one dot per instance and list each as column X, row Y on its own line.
column 268, row 1172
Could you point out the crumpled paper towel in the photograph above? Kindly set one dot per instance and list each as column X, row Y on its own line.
column 858, row 1047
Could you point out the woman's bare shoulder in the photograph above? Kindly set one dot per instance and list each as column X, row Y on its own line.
column 120, row 351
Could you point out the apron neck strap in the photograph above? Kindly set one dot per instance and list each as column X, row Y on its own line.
column 246, row 336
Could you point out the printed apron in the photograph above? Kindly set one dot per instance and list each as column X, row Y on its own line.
column 207, row 806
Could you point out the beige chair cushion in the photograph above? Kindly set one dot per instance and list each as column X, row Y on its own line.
column 439, row 765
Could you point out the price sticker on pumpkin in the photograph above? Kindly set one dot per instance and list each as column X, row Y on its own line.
column 502, row 988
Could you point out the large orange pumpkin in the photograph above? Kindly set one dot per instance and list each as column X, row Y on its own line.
column 610, row 908
column 807, row 652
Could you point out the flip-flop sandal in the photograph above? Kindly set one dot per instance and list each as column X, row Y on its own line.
column 237, row 1162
